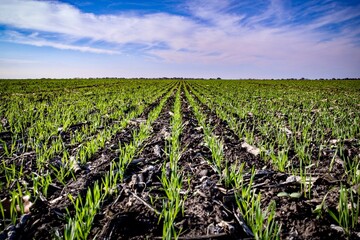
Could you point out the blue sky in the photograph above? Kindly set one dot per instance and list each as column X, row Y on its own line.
column 170, row 38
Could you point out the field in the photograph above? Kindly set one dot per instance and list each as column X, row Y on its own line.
column 182, row 159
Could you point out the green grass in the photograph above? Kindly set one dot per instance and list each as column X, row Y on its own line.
column 52, row 129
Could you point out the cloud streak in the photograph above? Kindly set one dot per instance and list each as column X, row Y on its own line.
column 211, row 32
column 34, row 40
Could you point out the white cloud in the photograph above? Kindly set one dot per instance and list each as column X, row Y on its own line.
column 34, row 40
column 64, row 19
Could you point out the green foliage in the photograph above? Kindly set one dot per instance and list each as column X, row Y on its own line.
column 55, row 128
column 171, row 177
column 347, row 215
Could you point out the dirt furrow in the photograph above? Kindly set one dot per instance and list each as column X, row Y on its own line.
column 50, row 213
column 296, row 216
column 206, row 214
column 133, row 213
column 321, row 157
column 234, row 153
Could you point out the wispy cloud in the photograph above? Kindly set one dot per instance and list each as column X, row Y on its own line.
column 34, row 40
column 213, row 31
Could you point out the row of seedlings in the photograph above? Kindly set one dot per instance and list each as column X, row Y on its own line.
column 347, row 219
column 49, row 173
column 262, row 223
column 171, row 177
column 291, row 127
column 80, row 223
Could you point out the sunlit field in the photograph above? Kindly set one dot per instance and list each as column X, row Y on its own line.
column 183, row 159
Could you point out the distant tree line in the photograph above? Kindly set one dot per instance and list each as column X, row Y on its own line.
column 217, row 78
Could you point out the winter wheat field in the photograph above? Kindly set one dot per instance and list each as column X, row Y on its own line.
column 179, row 159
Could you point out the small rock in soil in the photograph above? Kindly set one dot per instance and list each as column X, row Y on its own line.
column 337, row 228
column 10, row 228
column 157, row 151
column 203, row 173
column 11, row 235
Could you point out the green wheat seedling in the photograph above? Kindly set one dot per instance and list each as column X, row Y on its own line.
column 347, row 215
column 41, row 183
column 2, row 212
column 261, row 222
column 15, row 200
column 9, row 151
column 216, row 148
column 353, row 170
column 16, row 204
column 215, row 145
column 173, row 204
column 280, row 160
column 126, row 154
column 79, row 226
column 60, row 173
column 110, row 181
column 9, row 172
column 322, row 207
column 235, row 175
column 171, row 178
column 305, row 182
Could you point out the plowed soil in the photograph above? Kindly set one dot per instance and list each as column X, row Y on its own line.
column 210, row 210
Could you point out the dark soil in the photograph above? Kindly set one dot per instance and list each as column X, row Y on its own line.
column 210, row 209
column 127, row 217
column 47, row 218
column 296, row 216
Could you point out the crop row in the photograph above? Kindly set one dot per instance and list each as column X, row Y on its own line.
column 266, row 159
column 42, row 148
column 304, row 141
column 79, row 226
